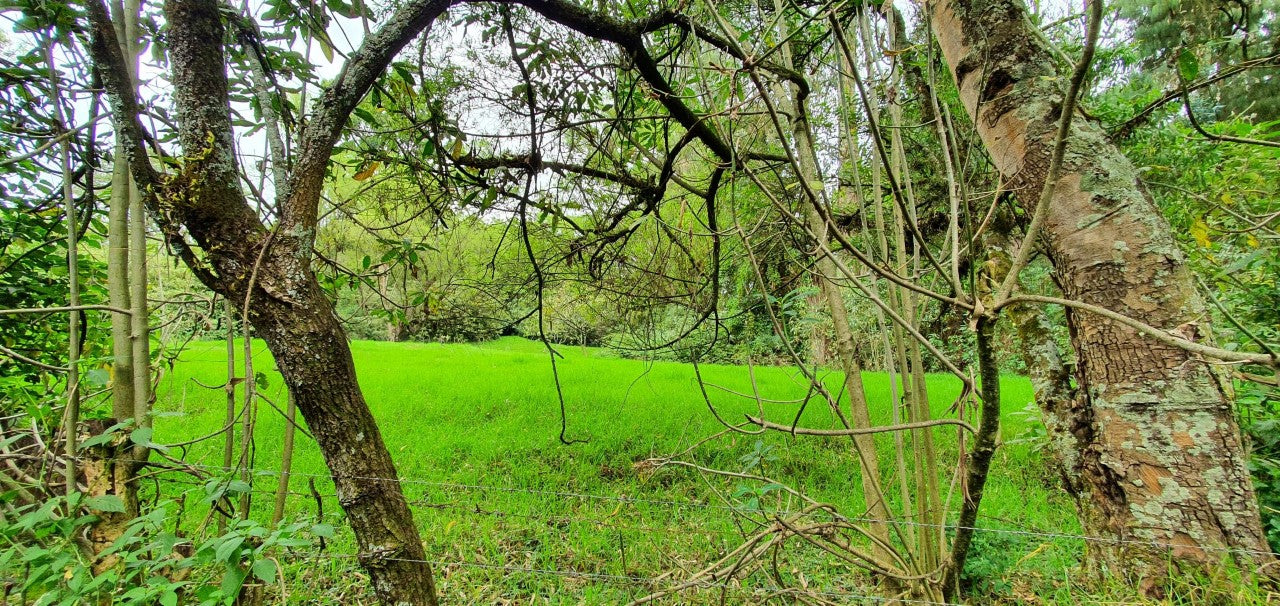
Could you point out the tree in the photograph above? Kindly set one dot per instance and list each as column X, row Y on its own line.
column 1149, row 437
column 1151, row 441
column 269, row 269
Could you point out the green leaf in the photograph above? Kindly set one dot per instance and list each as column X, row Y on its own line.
column 326, row 47
column 97, row 377
column 1188, row 65
column 365, row 115
column 142, row 437
column 106, row 436
column 232, row 582
column 229, row 548
column 324, row 531
column 107, row 503
column 265, row 571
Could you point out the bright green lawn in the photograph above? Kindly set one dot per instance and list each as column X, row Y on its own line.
column 458, row 417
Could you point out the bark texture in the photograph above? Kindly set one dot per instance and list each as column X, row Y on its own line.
column 201, row 207
column 1152, row 442
column 288, row 310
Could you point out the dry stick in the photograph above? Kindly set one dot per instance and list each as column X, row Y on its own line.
column 697, row 373
column 1142, row 116
column 792, row 429
column 739, row 475
column 1159, row 335
column 1261, row 225
column 860, row 558
column 1068, row 110
column 1191, row 116
column 853, row 278
column 755, row 396
column 531, row 101
column 810, row 375
column 38, row 364
column 63, row 309
column 1232, row 319
column 60, row 138
column 229, row 440
column 71, row 416
column 250, row 403
column 727, row 566
column 286, row 461
column 228, row 427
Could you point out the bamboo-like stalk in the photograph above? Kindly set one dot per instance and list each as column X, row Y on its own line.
column 794, row 109
column 926, row 464
column 139, row 320
column 229, row 438
column 139, row 327
column 118, row 260
column 71, row 415
column 248, row 421
column 895, row 345
column 286, row 461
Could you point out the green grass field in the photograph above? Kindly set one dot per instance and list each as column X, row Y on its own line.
column 474, row 432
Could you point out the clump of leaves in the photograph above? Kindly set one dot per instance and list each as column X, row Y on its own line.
column 146, row 564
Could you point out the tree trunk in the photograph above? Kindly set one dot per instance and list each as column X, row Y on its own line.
column 1155, row 447
column 311, row 352
column 118, row 289
column 201, row 207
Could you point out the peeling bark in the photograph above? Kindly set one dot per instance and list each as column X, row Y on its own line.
column 1157, row 452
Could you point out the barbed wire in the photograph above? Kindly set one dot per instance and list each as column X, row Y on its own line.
column 723, row 584
column 625, row 499
column 639, row 580
column 777, row 512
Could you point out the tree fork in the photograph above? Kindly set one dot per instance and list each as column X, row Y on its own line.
column 289, row 310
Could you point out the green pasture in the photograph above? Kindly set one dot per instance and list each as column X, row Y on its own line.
column 515, row 516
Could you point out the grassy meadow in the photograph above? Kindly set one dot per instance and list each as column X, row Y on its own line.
column 514, row 516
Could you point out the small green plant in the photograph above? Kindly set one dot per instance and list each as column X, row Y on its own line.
column 147, row 564
column 1034, row 434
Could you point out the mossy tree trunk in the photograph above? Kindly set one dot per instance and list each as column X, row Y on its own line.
column 200, row 207
column 1152, row 444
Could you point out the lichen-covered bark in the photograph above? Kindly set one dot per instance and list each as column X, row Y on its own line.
column 287, row 308
column 1156, row 450
column 202, row 203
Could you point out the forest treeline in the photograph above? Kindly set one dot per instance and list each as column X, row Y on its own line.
column 1086, row 195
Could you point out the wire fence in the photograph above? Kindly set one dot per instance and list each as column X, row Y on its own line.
column 624, row 499
column 727, row 585
column 643, row 581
